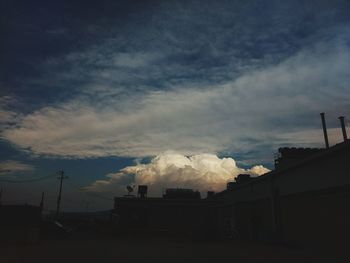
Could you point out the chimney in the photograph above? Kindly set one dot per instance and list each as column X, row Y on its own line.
column 342, row 123
column 324, row 129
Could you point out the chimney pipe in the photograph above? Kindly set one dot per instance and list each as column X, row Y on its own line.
column 342, row 123
column 324, row 129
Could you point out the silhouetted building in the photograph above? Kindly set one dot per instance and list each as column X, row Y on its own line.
column 180, row 211
column 181, row 193
column 210, row 194
column 305, row 201
column 20, row 223
column 289, row 156
column 142, row 191
column 241, row 178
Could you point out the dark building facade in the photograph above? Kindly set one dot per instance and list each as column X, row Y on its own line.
column 179, row 211
column 20, row 223
column 305, row 201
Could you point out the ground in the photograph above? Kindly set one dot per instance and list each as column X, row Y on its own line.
column 160, row 249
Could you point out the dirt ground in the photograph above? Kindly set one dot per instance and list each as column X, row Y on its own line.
column 163, row 250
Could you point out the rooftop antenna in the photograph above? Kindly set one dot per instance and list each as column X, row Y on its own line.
column 130, row 189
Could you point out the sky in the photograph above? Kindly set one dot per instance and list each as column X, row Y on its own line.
column 163, row 93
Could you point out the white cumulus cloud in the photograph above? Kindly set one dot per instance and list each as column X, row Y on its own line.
column 203, row 172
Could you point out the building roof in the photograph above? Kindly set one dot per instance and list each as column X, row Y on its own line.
column 298, row 163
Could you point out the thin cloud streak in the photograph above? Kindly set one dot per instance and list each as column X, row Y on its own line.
column 10, row 167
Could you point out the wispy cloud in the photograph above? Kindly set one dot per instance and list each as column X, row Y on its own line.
column 209, row 78
column 8, row 116
column 235, row 116
column 11, row 167
column 180, row 44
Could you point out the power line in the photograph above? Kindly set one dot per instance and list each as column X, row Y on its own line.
column 27, row 180
column 80, row 189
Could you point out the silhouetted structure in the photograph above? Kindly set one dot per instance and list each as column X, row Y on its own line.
column 210, row 194
column 305, row 201
column 342, row 124
column 142, row 191
column 325, row 134
column 289, row 156
column 181, row 193
column 20, row 223
column 241, row 178
column 180, row 211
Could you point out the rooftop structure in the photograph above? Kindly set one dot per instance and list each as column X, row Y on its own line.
column 303, row 202
column 181, row 193
column 288, row 156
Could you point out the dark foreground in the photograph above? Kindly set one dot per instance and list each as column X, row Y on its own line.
column 160, row 249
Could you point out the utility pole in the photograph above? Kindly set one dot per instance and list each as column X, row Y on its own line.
column 61, row 177
column 0, row 196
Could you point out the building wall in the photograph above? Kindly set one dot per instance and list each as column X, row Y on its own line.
column 19, row 224
column 329, row 170
column 188, row 217
column 317, row 219
column 306, row 205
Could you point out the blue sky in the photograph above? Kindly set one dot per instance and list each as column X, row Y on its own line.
column 94, row 88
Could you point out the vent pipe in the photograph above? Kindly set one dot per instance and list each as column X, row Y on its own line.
column 342, row 123
column 324, row 129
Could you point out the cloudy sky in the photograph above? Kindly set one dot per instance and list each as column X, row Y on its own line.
column 167, row 93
